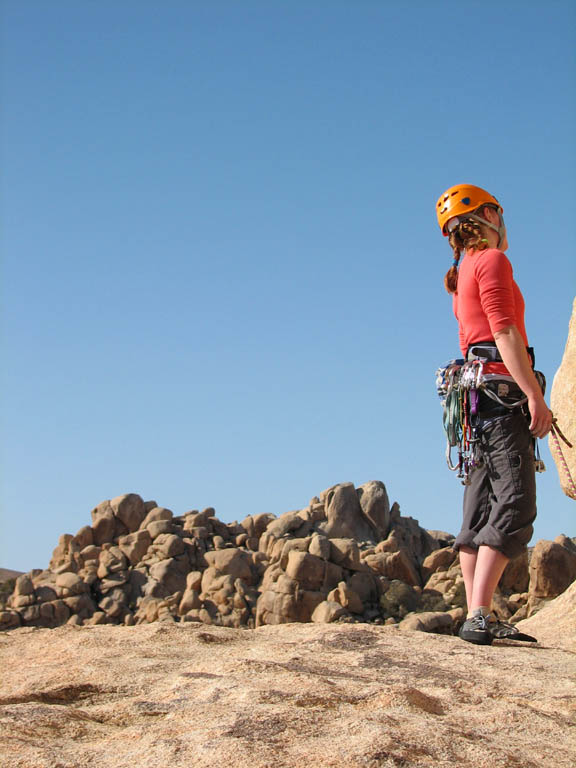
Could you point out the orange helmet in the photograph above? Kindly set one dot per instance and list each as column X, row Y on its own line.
column 462, row 199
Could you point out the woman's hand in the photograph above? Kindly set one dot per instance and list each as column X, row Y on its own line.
column 541, row 416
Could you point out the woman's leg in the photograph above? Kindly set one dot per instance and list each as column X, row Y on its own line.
column 468, row 557
column 490, row 565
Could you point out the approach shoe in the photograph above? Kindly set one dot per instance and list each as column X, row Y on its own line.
column 476, row 630
column 501, row 630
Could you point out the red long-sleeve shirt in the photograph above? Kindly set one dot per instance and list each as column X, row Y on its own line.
column 487, row 300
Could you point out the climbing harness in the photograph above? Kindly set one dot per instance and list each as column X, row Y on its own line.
column 555, row 433
column 460, row 384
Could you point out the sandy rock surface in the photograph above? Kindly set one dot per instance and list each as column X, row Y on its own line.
column 188, row 695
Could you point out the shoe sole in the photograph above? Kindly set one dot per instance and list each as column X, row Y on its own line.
column 516, row 636
column 477, row 638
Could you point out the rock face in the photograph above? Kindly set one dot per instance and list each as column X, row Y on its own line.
column 324, row 695
column 347, row 557
column 563, row 404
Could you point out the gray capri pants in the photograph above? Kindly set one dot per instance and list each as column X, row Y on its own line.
column 500, row 502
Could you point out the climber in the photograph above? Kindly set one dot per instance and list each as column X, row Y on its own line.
column 500, row 497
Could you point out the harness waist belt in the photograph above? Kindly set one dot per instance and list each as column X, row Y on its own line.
column 487, row 350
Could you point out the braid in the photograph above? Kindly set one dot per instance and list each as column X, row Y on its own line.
column 451, row 277
column 466, row 236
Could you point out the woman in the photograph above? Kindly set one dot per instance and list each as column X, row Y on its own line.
column 500, row 501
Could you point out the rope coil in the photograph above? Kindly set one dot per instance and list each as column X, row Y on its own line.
column 555, row 433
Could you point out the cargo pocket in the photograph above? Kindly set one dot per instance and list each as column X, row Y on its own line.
column 515, row 461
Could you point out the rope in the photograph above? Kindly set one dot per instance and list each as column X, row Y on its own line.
column 556, row 432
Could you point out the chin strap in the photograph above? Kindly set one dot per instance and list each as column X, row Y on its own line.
column 501, row 229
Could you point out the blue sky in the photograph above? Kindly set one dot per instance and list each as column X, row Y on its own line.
column 222, row 273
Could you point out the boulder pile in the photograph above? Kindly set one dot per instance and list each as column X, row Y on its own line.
column 349, row 556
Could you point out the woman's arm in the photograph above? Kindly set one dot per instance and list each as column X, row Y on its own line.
column 513, row 352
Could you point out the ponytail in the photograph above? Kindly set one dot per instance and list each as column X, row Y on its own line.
column 451, row 277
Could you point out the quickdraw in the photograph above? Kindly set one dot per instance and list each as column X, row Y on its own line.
column 458, row 383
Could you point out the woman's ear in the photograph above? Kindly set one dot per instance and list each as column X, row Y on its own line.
column 491, row 215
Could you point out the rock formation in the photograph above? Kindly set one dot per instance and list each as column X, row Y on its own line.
column 349, row 556
column 563, row 404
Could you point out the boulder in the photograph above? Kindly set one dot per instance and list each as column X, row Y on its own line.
column 168, row 545
column 194, row 580
column 349, row 599
column 45, row 594
column 170, row 575
column 159, row 527
column 441, row 538
column 155, row 515
column 392, row 543
column 84, row 538
column 375, row 507
column 9, row 620
column 516, row 576
column 62, row 554
column 235, row 563
column 130, row 510
column 566, row 542
column 307, row 569
column 81, row 605
column 429, row 621
column 111, row 560
column 24, row 585
column 399, row 599
column 103, row 524
column 88, row 554
column 345, row 552
column 287, row 546
column 135, row 545
column 211, row 580
column 327, row 612
column 286, row 523
column 319, row 546
column 260, row 523
column 69, row 584
column 114, row 581
column 552, row 569
column 554, row 624
column 562, row 400
column 394, row 565
column 366, row 585
column 285, row 585
column 410, row 536
column 439, row 560
column 111, row 607
column 20, row 601
column 190, row 601
column 344, row 516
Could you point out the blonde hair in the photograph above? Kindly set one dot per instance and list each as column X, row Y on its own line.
column 466, row 236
